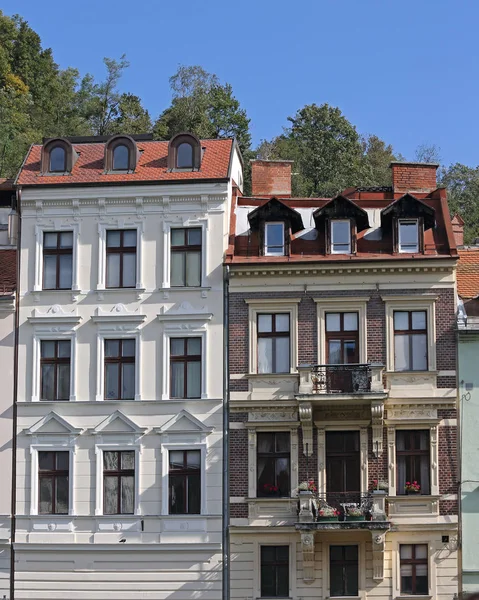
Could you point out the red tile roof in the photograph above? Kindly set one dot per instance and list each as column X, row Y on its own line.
column 8, row 271
column 152, row 165
column 468, row 273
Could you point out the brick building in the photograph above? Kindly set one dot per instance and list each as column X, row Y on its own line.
column 342, row 370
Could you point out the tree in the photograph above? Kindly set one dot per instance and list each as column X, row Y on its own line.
column 428, row 153
column 132, row 117
column 378, row 156
column 462, row 183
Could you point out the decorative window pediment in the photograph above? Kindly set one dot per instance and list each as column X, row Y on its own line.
column 118, row 423
column 184, row 311
column 183, row 422
column 56, row 316
column 52, row 425
column 341, row 208
column 119, row 314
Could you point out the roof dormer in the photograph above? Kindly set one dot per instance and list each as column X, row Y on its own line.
column 408, row 218
column 184, row 153
column 121, row 154
column 274, row 223
column 58, row 157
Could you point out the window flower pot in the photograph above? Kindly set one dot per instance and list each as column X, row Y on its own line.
column 327, row 519
column 356, row 518
column 413, row 492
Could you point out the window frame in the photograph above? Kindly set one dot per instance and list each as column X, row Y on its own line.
column 186, row 474
column 273, row 455
column 188, row 167
column 344, row 563
column 406, row 539
column 65, row 445
column 170, row 224
column 105, row 332
column 276, row 564
column 99, row 492
column 121, row 250
column 410, row 332
column 54, row 473
column 62, row 227
column 185, row 359
column 56, row 332
column 266, row 245
column 185, row 249
column 362, row 581
column 341, row 335
column 414, row 563
column 113, row 150
column 196, row 331
column 332, row 243
column 411, row 453
column 118, row 473
column 103, row 227
column 50, row 150
column 56, row 361
column 273, row 335
column 119, row 360
column 57, row 253
column 417, row 247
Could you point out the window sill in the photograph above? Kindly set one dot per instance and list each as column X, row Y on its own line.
column 179, row 288
column 263, row 375
column 412, row 597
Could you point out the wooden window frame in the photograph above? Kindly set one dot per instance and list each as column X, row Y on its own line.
column 57, row 252
column 56, row 361
column 119, row 473
column 419, row 228
column 186, row 473
column 113, row 150
column 352, row 236
column 341, row 335
column 50, row 170
column 274, row 455
column 273, row 334
column 185, row 359
column 410, row 454
column 410, row 332
column 121, row 250
column 343, row 563
column 283, row 245
column 54, row 474
column 276, row 564
column 414, row 562
column 119, row 360
column 187, row 248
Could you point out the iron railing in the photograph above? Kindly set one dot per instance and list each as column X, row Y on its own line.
column 342, row 501
column 341, row 379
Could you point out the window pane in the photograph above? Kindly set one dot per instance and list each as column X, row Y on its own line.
column 282, row 322
column 265, row 442
column 113, row 239
column 128, row 348
column 405, row 550
column 176, row 458
column 193, row 459
column 275, row 238
column 193, row 346
column 111, row 384
column 129, row 238
column 62, row 460
column 351, row 580
column 333, row 322
column 128, row 381
column 110, row 461
column 129, row 269
column 194, row 237
column 46, row 461
column 48, row 349
column 184, row 156
column 265, row 323
column 65, row 281
column 62, row 495
column 419, row 319
column 349, row 352
column 110, row 495
column 128, row 460
column 64, row 349
column 265, row 355
column 57, row 159
column 46, row 495
column 178, row 269
column 401, row 320
column 177, row 380
column 177, row 492
column 268, row 581
column 194, row 494
column 50, row 240
column 282, row 442
column 178, row 237
column 66, row 239
column 283, row 581
column 419, row 352
column 113, row 270
column 422, row 584
column 120, row 158
column 63, row 382
column 127, row 494
column 49, row 272
column 282, row 475
column 193, row 269
column 351, row 552
column 401, row 352
column 335, row 357
column 48, row 382
column 177, row 347
column 408, row 236
column 112, row 348
column 421, row 551
column 282, row 355
column 193, row 372
column 350, row 321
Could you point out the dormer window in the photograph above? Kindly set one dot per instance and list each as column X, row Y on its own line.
column 341, row 236
column 58, row 160
column 274, row 239
column 184, row 153
column 408, row 230
column 121, row 157
column 184, row 156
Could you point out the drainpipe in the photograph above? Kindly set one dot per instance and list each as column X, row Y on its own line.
column 226, row 393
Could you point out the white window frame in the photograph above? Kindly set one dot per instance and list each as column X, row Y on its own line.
column 165, row 450
column 361, row 566
column 117, row 225
column 400, row 247
column 277, row 540
column 418, row 302
column 201, row 333
column 332, row 242
column 187, row 224
column 272, row 306
column 283, row 250
column 116, row 447
column 61, row 227
column 342, row 304
column 416, row 538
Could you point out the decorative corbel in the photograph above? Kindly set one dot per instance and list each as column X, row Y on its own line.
column 379, row 545
column 307, row 546
column 377, row 420
column 306, row 418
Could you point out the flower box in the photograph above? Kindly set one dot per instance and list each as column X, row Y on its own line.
column 355, row 518
column 327, row 519
column 413, row 492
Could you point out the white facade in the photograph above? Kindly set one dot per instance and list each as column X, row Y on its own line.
column 86, row 554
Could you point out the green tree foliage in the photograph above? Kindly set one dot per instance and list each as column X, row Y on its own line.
column 462, row 183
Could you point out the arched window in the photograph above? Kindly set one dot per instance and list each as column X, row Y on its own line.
column 184, row 156
column 121, row 156
column 57, row 160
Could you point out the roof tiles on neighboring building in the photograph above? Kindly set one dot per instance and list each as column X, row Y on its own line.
column 8, row 271
column 468, row 273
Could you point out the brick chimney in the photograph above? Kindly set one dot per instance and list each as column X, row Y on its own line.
column 458, row 229
column 414, row 177
column 271, row 178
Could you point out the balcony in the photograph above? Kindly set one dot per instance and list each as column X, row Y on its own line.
column 341, row 380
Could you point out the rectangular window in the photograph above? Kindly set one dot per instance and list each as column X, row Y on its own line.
column 414, row 569
column 343, row 465
column 118, row 482
column 120, row 369
column 184, row 482
column 341, row 237
column 186, row 257
column 185, row 367
column 275, row 571
column 273, row 343
column 342, row 338
column 55, row 370
column 274, row 239
column 408, row 235
column 413, row 460
column 273, row 460
column 410, row 340
column 53, row 486
column 57, row 260
column 121, row 258
column 343, row 570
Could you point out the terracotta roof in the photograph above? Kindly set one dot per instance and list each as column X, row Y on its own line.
column 468, row 273
column 8, row 271
column 152, row 165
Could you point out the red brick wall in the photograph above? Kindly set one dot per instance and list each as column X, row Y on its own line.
column 413, row 177
column 271, row 178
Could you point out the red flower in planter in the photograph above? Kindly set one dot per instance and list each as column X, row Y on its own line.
column 269, row 488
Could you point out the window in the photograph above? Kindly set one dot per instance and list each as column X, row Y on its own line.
column 118, row 482
column 121, row 157
column 343, row 570
column 121, row 258
column 185, row 367
column 273, row 462
column 186, row 257
column 120, row 369
column 58, row 160
column 275, row 571
column 410, row 340
column 414, row 575
column 408, row 235
column 343, row 465
column 57, row 260
column 184, row 482
column 412, row 457
column 273, row 343
column 55, row 370
column 274, row 239
column 341, row 237
column 53, row 472
column 342, row 338
column 184, row 156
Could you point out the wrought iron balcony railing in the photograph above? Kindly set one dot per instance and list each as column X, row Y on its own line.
column 341, row 379
column 345, row 503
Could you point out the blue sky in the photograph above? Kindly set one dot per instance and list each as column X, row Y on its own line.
column 404, row 70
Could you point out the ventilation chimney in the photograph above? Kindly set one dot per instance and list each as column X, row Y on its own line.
column 271, row 178
column 414, row 177
column 458, row 229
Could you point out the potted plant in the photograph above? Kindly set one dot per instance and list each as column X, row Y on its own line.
column 307, row 486
column 270, row 490
column 328, row 513
column 412, row 488
column 380, row 485
column 355, row 513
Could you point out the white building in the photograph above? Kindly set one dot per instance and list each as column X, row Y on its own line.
column 119, row 465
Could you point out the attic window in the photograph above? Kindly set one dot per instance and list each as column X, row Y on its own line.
column 184, row 156
column 408, row 230
column 274, row 239
column 341, row 236
column 184, row 153
column 121, row 154
column 58, row 160
column 121, row 158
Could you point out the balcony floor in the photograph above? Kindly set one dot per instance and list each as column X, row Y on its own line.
column 344, row 526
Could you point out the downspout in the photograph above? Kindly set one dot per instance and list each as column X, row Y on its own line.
column 14, row 408
column 226, row 393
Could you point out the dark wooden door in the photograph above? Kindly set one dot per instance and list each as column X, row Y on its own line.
column 342, row 462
